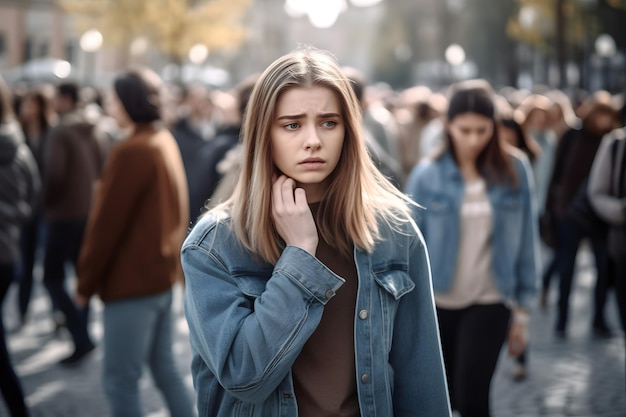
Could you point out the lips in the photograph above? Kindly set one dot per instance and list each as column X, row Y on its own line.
column 312, row 161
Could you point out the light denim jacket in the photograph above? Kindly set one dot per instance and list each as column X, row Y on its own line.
column 249, row 320
column 438, row 186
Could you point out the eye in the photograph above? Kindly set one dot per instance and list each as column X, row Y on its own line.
column 292, row 126
column 329, row 123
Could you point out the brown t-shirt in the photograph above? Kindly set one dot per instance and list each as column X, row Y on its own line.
column 325, row 374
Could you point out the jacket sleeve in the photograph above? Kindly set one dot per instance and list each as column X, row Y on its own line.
column 414, row 189
column 527, row 266
column 250, row 344
column 416, row 357
column 125, row 176
column 609, row 208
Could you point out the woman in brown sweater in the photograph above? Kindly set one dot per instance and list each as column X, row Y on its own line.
column 130, row 256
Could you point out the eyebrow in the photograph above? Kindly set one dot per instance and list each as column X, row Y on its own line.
column 300, row 116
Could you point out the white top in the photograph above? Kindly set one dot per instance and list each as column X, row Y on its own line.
column 473, row 279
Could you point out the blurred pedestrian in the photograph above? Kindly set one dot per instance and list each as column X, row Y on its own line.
column 19, row 186
column 574, row 219
column 131, row 253
column 73, row 163
column 480, row 226
column 226, row 140
column 193, row 132
column 378, row 145
column 607, row 195
column 36, row 119
column 313, row 237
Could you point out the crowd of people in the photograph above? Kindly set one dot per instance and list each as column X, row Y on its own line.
column 312, row 215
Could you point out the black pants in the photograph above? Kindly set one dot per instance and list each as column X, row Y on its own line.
column 30, row 239
column 9, row 383
column 63, row 242
column 570, row 238
column 472, row 339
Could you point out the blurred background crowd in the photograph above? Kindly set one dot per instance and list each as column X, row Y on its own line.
column 557, row 66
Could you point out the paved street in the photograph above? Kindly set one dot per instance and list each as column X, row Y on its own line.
column 580, row 376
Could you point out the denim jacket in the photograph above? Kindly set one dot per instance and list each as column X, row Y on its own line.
column 438, row 186
column 248, row 321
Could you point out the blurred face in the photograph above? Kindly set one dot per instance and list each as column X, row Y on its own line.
column 116, row 110
column 29, row 108
column 602, row 122
column 307, row 137
column 470, row 134
column 507, row 135
column 538, row 119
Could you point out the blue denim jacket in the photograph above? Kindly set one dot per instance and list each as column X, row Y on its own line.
column 248, row 321
column 438, row 186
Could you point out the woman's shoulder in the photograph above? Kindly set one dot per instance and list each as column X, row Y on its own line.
column 213, row 226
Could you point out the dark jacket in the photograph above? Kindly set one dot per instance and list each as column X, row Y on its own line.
column 138, row 221
column 74, row 160
column 574, row 158
column 200, row 158
column 19, row 188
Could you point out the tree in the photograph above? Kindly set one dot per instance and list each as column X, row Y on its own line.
column 173, row 26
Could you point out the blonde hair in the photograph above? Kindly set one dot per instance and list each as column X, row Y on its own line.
column 358, row 195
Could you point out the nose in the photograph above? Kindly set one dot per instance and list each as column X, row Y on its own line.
column 312, row 140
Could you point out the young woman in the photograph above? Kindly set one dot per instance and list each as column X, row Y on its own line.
column 308, row 292
column 36, row 118
column 130, row 255
column 480, row 225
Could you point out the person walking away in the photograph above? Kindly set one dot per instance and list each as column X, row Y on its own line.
column 575, row 155
column 36, row 118
column 480, row 225
column 19, row 186
column 607, row 195
column 131, row 253
column 74, row 160
column 308, row 292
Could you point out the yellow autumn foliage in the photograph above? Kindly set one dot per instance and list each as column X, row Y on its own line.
column 173, row 26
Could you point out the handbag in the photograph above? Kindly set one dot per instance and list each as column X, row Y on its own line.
column 583, row 215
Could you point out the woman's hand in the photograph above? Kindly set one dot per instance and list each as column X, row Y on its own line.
column 518, row 333
column 292, row 215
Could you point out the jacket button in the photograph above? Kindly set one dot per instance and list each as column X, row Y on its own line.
column 330, row 293
column 365, row 378
column 363, row 314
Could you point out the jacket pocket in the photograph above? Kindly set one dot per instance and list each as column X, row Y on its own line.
column 393, row 285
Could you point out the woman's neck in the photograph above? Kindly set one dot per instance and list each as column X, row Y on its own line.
column 469, row 170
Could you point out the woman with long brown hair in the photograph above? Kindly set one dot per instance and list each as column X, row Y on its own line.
column 308, row 292
column 480, row 225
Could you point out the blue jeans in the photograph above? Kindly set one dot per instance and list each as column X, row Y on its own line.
column 139, row 331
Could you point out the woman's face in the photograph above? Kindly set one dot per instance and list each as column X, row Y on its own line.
column 470, row 134
column 307, row 136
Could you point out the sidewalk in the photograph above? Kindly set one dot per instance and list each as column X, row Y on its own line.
column 580, row 376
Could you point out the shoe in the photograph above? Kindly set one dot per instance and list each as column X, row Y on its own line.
column 78, row 355
column 519, row 373
column 602, row 332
